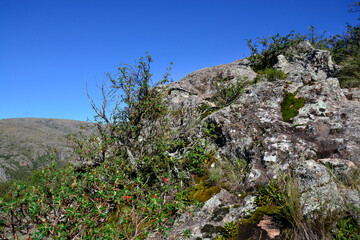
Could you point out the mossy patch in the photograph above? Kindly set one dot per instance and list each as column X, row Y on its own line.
column 290, row 106
column 270, row 209
column 203, row 191
column 247, row 228
column 219, row 214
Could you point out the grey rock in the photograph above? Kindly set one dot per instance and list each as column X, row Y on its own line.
column 352, row 198
column 342, row 169
column 3, row 177
column 318, row 190
column 326, row 130
column 208, row 222
column 352, row 94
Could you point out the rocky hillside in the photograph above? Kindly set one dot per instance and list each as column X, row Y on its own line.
column 26, row 144
column 304, row 125
column 224, row 153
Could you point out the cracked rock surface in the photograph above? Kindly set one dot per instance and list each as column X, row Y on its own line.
column 324, row 135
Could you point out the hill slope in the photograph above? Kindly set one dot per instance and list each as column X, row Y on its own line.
column 225, row 153
column 27, row 143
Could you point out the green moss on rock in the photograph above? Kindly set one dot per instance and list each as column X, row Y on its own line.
column 255, row 218
column 203, row 191
column 290, row 106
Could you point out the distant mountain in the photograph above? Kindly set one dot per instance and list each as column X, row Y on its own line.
column 26, row 144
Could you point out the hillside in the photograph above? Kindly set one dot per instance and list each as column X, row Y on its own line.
column 225, row 153
column 26, row 144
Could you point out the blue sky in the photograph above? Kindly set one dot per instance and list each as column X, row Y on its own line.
column 49, row 49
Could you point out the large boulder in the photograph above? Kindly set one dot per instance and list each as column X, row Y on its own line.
column 324, row 135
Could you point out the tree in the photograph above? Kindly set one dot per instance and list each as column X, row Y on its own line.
column 130, row 94
column 355, row 7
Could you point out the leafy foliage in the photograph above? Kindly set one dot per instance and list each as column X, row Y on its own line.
column 272, row 192
column 118, row 195
column 350, row 74
column 231, row 229
column 265, row 56
column 344, row 48
column 348, row 229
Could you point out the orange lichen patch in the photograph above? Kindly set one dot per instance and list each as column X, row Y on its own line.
column 269, row 226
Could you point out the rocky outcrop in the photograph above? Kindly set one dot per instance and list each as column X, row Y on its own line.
column 210, row 220
column 319, row 147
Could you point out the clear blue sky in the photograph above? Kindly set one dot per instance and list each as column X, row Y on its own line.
column 50, row 48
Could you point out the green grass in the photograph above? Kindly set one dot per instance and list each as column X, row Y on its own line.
column 270, row 74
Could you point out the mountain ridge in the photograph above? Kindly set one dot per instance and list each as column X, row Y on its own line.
column 26, row 144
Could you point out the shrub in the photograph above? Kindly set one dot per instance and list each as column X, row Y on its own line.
column 265, row 56
column 226, row 91
column 349, row 77
column 130, row 188
column 344, row 48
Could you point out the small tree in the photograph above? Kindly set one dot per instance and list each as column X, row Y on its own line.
column 355, row 7
column 130, row 94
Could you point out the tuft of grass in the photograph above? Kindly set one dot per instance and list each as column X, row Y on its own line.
column 215, row 174
column 233, row 172
column 283, row 195
column 270, row 74
column 227, row 92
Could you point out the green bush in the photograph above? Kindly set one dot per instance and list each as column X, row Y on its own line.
column 130, row 188
column 226, row 91
column 264, row 51
column 349, row 77
column 344, row 48
column 348, row 228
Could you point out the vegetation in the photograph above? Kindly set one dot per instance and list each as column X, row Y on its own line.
column 290, row 106
column 281, row 198
column 343, row 47
column 119, row 195
column 265, row 56
column 270, row 74
column 138, row 172
column 350, row 74
column 226, row 90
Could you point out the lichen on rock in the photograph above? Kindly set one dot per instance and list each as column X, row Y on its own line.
column 297, row 125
